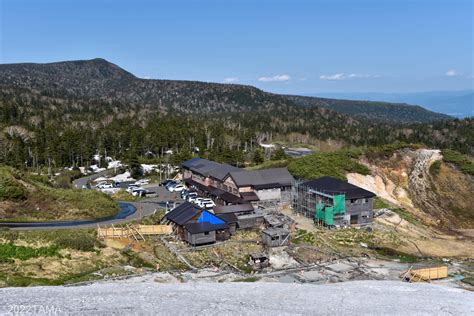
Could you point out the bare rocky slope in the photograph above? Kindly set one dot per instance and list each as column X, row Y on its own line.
column 432, row 207
column 441, row 197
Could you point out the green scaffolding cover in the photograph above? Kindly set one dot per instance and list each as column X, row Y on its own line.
column 319, row 215
column 339, row 204
column 329, row 218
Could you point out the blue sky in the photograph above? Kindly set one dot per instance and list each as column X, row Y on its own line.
column 282, row 46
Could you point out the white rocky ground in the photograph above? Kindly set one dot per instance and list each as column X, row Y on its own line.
column 145, row 296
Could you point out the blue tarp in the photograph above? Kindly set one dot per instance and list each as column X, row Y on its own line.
column 207, row 217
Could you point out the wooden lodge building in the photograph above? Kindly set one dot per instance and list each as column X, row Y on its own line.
column 198, row 226
column 229, row 185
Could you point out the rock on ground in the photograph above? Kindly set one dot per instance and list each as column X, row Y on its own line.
column 147, row 297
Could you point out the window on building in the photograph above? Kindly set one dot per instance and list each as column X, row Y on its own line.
column 206, row 233
column 353, row 201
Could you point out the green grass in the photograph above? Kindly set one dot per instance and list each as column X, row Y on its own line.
column 387, row 253
column 468, row 280
column 463, row 162
column 35, row 200
column 335, row 164
column 435, row 166
column 16, row 280
column 303, row 237
column 76, row 239
column 379, row 203
column 406, row 216
column 249, row 279
column 385, row 151
column 123, row 195
column 11, row 189
column 270, row 164
column 9, row 251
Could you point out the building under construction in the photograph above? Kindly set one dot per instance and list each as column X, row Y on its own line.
column 333, row 202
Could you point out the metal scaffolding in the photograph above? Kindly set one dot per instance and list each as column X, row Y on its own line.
column 320, row 205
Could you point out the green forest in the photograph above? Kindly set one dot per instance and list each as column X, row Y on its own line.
column 60, row 115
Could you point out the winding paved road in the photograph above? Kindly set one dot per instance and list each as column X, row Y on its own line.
column 81, row 182
column 144, row 207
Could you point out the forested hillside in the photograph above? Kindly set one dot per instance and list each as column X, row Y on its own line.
column 61, row 114
column 373, row 110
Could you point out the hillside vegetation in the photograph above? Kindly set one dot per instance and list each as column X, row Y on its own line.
column 334, row 164
column 24, row 199
column 372, row 110
column 61, row 114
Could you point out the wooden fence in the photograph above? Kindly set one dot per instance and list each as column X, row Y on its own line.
column 133, row 231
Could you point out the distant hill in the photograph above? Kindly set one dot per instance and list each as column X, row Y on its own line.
column 454, row 103
column 104, row 81
column 63, row 113
column 381, row 111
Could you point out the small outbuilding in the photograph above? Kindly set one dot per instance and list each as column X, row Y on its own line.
column 259, row 261
column 275, row 237
column 205, row 233
column 246, row 215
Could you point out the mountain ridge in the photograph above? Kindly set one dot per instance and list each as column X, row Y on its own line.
column 100, row 79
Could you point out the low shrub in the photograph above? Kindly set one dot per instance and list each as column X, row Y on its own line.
column 435, row 166
column 78, row 241
column 10, row 251
column 11, row 189
column 334, row 164
column 463, row 162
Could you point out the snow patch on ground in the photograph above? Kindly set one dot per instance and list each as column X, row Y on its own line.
column 145, row 296
column 123, row 177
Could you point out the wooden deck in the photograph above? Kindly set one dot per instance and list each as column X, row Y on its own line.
column 425, row 274
column 133, row 231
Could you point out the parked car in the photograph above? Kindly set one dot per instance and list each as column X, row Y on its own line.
column 184, row 194
column 177, row 188
column 139, row 192
column 142, row 182
column 105, row 186
column 191, row 198
column 166, row 182
column 197, row 200
column 206, row 203
column 170, row 185
column 131, row 187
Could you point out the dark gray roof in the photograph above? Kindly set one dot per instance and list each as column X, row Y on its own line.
column 183, row 213
column 274, row 231
column 233, row 208
column 208, row 168
column 221, row 171
column 275, row 177
column 196, row 228
column 332, row 186
column 229, row 218
column 249, row 196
